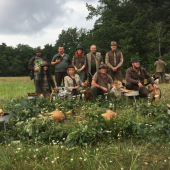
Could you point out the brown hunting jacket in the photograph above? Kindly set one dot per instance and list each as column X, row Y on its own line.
column 133, row 77
column 114, row 59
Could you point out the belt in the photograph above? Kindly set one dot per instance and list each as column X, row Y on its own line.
column 46, row 89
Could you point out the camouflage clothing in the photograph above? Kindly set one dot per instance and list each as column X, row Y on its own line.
column 68, row 81
column 160, row 66
column 160, row 69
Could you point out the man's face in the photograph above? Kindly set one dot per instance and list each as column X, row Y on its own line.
column 61, row 50
column 38, row 54
column 103, row 70
column 93, row 49
column 136, row 65
column 113, row 47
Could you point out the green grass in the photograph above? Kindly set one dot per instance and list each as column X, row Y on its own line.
column 109, row 154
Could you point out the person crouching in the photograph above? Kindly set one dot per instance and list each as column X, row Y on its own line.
column 100, row 82
column 73, row 84
column 45, row 82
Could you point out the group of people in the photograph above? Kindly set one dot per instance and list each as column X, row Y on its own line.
column 90, row 65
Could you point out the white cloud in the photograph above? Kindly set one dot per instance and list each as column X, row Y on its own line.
column 39, row 22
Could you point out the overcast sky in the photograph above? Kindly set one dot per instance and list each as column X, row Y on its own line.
column 39, row 22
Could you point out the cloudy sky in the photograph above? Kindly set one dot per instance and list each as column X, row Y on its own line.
column 39, row 22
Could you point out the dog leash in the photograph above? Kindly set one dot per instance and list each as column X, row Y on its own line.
column 150, row 83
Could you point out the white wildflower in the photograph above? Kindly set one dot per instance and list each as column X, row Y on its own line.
column 71, row 159
column 19, row 148
column 52, row 162
column 80, row 158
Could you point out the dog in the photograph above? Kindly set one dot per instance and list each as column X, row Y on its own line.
column 154, row 93
column 117, row 89
column 109, row 115
column 54, row 93
column 153, row 76
column 1, row 112
column 87, row 94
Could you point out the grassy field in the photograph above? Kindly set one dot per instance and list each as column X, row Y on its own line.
column 107, row 154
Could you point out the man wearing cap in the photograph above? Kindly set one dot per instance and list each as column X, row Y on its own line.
column 100, row 82
column 160, row 69
column 61, row 62
column 94, row 59
column 79, row 62
column 135, row 76
column 114, row 60
column 35, row 64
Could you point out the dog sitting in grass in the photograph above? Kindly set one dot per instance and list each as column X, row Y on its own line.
column 117, row 89
column 87, row 94
column 155, row 93
column 54, row 93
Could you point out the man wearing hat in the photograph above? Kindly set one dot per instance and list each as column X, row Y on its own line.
column 35, row 64
column 114, row 60
column 79, row 62
column 94, row 59
column 100, row 82
column 160, row 69
column 61, row 62
column 135, row 76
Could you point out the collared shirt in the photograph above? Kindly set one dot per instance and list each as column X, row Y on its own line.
column 102, row 81
column 62, row 65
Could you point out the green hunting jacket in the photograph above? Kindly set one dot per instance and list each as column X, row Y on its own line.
column 99, row 58
column 160, row 66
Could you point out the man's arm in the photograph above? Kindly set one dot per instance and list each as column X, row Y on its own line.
column 93, row 83
column 31, row 64
column 121, row 61
column 107, row 61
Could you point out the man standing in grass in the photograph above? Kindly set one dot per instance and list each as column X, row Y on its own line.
column 61, row 62
column 94, row 59
column 100, row 82
column 35, row 64
column 160, row 69
column 114, row 60
column 135, row 76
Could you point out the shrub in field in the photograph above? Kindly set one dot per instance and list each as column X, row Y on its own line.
column 139, row 122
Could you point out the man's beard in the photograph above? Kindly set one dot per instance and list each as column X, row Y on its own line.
column 136, row 67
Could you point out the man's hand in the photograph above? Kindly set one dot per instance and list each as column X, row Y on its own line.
column 57, row 61
column 104, row 88
column 140, row 85
column 154, row 85
column 76, row 87
column 114, row 68
column 36, row 69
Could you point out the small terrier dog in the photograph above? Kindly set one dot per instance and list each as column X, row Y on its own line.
column 117, row 89
column 87, row 94
column 54, row 93
column 154, row 93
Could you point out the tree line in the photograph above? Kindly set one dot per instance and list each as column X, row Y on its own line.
column 140, row 27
